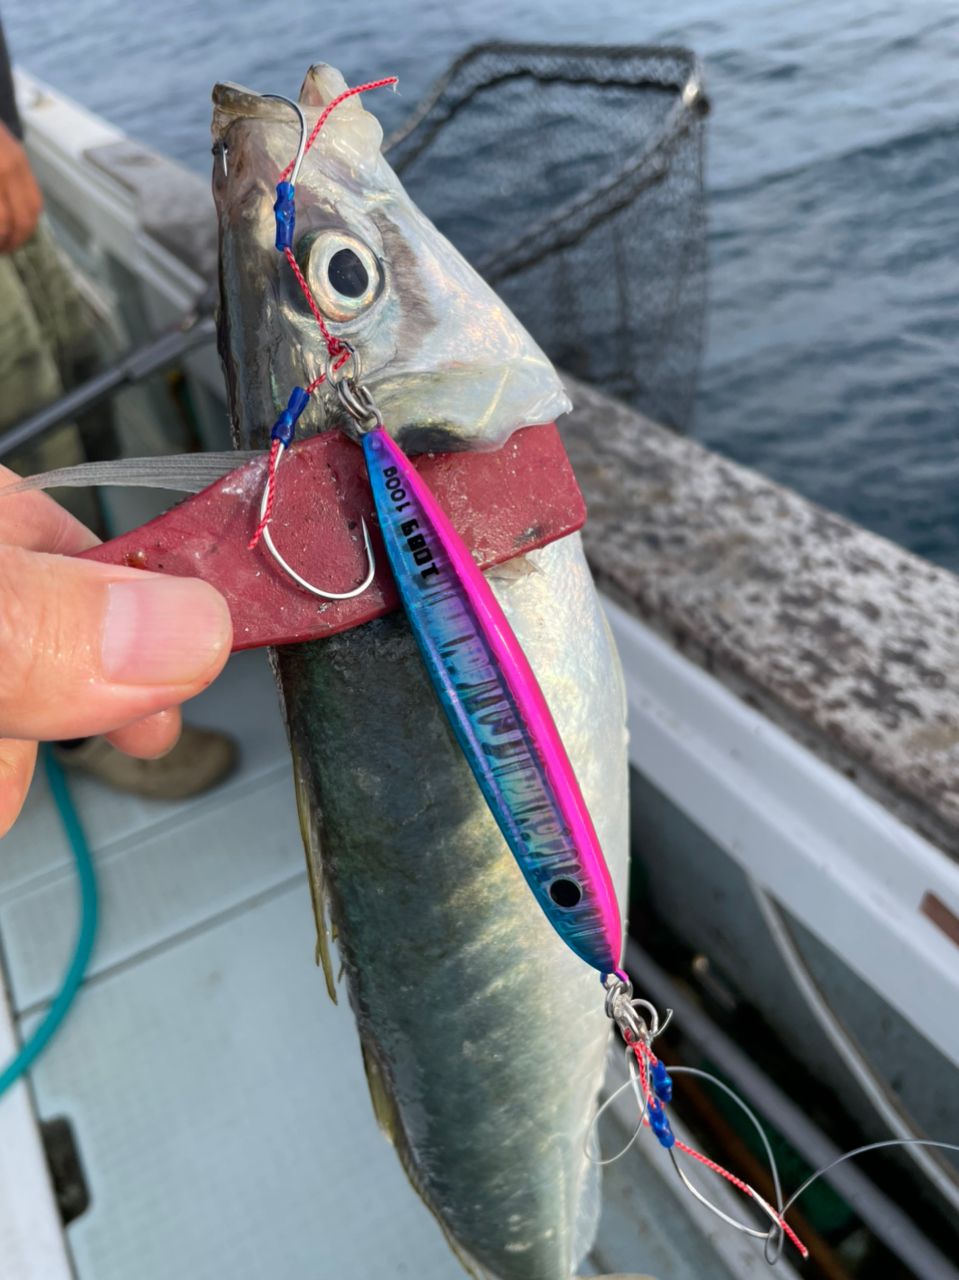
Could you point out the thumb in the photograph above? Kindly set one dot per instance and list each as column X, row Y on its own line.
column 87, row 647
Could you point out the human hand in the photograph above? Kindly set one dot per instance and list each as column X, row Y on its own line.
column 20, row 198
column 88, row 648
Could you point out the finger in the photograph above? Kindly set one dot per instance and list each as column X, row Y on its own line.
column 17, row 761
column 24, row 212
column 23, row 198
column 37, row 523
column 86, row 648
column 29, row 206
column 150, row 738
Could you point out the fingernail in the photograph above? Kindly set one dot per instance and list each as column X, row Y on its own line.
column 163, row 631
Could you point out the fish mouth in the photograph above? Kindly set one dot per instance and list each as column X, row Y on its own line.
column 468, row 407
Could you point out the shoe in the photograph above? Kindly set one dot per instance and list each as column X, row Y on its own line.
column 200, row 760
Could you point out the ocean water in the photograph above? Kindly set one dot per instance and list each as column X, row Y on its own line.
column 832, row 359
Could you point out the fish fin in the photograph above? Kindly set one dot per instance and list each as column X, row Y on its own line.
column 314, row 868
column 381, row 1096
column 354, row 127
column 183, row 472
column 321, row 84
column 236, row 100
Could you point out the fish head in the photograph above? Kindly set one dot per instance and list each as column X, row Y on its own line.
column 447, row 364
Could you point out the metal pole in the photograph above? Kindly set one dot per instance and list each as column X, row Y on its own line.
column 172, row 345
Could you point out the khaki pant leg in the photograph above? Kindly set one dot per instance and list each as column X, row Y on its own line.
column 31, row 302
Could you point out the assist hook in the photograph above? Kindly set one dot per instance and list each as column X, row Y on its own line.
column 301, row 149
column 298, row 578
column 284, row 428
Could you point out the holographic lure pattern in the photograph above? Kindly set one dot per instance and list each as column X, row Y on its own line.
column 496, row 708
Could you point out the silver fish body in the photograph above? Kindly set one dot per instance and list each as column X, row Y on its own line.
column 484, row 1037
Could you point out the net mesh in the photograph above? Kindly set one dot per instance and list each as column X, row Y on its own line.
column 571, row 178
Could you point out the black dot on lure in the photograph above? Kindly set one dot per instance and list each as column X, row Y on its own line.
column 566, row 893
column 347, row 274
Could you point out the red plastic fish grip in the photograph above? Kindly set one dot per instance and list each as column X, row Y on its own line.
column 503, row 503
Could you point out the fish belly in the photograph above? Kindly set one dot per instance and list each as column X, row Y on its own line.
column 484, row 1035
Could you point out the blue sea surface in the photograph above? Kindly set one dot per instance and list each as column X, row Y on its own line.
column 832, row 359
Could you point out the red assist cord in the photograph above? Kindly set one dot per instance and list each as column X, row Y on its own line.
column 284, row 429
column 657, row 1089
column 331, row 106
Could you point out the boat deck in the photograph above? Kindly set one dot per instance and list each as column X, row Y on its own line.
column 216, row 1096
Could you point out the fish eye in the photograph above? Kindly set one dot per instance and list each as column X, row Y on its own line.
column 345, row 275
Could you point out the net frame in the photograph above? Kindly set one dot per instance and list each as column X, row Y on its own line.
column 643, row 312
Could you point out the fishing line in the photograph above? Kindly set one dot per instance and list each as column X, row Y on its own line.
column 591, row 1145
column 767, row 1147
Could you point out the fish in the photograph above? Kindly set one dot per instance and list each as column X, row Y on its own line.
column 482, row 1035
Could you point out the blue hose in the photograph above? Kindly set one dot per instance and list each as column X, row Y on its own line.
column 74, row 976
